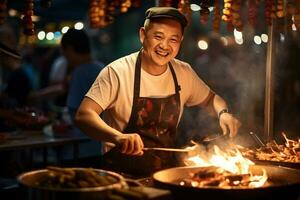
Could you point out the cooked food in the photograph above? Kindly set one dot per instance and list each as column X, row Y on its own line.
column 217, row 177
column 59, row 178
column 287, row 152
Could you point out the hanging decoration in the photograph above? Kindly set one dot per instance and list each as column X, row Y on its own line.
column 102, row 12
column 252, row 11
column 28, row 26
column 3, row 7
column 185, row 8
column 216, row 18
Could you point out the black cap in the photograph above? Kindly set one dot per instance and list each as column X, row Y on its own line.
column 166, row 12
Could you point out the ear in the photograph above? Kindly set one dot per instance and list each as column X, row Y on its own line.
column 142, row 34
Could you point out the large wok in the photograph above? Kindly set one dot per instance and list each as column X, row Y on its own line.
column 285, row 185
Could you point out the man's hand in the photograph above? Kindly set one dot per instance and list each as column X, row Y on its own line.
column 229, row 124
column 130, row 144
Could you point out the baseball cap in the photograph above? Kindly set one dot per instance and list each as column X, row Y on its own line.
column 166, row 12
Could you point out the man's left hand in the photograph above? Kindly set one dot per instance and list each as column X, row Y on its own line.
column 229, row 124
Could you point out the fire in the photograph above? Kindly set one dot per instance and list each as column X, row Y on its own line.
column 229, row 161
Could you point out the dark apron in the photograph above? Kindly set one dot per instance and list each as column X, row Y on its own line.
column 155, row 120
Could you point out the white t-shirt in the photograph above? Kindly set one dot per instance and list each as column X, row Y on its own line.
column 113, row 88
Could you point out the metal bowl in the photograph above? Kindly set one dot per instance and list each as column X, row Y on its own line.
column 33, row 191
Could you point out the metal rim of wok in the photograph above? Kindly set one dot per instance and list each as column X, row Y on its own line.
column 285, row 177
column 28, row 179
column 294, row 165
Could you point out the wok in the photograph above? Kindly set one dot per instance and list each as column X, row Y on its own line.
column 285, row 184
column 293, row 165
column 31, row 191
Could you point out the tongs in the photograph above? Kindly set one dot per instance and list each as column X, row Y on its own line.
column 257, row 139
column 217, row 139
column 185, row 150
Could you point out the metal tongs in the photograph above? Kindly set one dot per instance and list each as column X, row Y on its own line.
column 257, row 139
column 218, row 139
column 185, row 150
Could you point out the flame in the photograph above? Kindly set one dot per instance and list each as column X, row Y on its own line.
column 235, row 163
column 230, row 160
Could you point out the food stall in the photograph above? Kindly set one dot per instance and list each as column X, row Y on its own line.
column 257, row 165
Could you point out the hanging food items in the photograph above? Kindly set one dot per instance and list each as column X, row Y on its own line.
column 125, row 5
column 204, row 12
column 217, row 17
column 165, row 3
column 227, row 14
column 280, row 12
column 236, row 16
column 100, row 13
column 2, row 11
column 270, row 11
column 252, row 12
column 110, row 10
column 94, row 14
column 28, row 26
column 185, row 9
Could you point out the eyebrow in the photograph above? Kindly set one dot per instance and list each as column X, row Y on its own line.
column 162, row 33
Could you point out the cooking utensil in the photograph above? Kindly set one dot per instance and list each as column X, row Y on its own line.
column 185, row 150
column 257, row 139
column 218, row 139
column 284, row 183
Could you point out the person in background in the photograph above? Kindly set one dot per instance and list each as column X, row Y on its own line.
column 83, row 69
column 13, row 94
column 16, row 86
column 76, row 49
column 142, row 97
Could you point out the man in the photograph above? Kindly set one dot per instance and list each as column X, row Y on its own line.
column 76, row 49
column 75, row 45
column 11, row 96
column 142, row 97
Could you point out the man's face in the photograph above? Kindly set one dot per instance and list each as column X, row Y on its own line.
column 161, row 41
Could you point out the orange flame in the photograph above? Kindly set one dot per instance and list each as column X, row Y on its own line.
column 231, row 161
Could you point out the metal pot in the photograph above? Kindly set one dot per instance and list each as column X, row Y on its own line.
column 285, row 185
column 28, row 182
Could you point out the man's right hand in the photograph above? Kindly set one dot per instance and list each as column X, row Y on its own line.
column 130, row 144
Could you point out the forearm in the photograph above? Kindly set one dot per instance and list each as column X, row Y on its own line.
column 91, row 124
column 219, row 104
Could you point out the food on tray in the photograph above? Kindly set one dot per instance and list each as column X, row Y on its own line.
column 57, row 177
column 287, row 152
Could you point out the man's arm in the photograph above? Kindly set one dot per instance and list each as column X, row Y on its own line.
column 228, row 123
column 88, row 120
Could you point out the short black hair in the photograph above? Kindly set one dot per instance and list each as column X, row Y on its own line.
column 77, row 39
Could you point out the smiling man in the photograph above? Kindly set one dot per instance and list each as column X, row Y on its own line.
column 142, row 97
